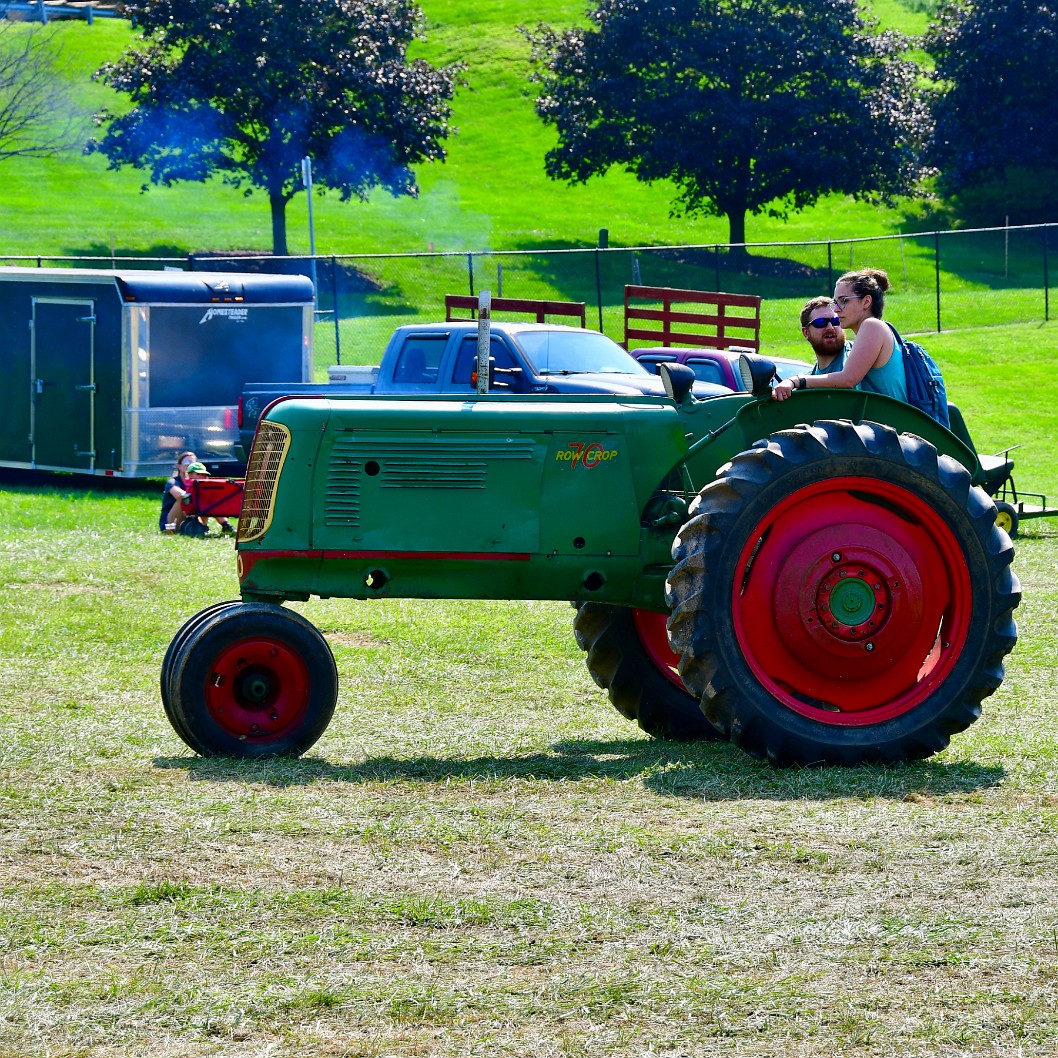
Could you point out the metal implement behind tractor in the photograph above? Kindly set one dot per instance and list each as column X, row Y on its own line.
column 817, row 580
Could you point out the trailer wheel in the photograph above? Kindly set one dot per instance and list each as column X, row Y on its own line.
column 192, row 527
column 252, row 680
column 1007, row 518
column 174, row 648
column 628, row 655
column 842, row 595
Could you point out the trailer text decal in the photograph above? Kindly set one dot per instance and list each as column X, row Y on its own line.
column 236, row 315
column 580, row 454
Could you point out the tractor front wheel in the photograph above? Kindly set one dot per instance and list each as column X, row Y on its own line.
column 842, row 595
column 250, row 680
column 176, row 644
column 628, row 655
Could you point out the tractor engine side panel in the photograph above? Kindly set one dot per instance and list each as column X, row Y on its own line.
column 491, row 498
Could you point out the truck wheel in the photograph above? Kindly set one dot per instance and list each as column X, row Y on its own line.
column 842, row 595
column 252, row 680
column 629, row 657
column 174, row 648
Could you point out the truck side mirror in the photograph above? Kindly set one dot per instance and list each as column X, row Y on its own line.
column 678, row 379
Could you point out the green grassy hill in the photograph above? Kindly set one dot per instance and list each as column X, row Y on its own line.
column 490, row 194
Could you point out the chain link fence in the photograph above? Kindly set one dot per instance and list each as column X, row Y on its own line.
column 940, row 280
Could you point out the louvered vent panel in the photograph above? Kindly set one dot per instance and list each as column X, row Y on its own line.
column 342, row 499
column 437, row 463
column 447, row 472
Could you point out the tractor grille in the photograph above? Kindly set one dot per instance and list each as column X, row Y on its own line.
column 437, row 463
column 262, row 472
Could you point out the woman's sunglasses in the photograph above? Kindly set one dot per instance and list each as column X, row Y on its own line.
column 825, row 321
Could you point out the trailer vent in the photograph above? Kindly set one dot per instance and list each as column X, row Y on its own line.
column 262, row 473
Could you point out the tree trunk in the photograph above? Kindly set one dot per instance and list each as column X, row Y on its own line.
column 736, row 221
column 278, row 203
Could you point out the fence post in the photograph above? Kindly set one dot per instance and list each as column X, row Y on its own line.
column 830, row 265
column 936, row 266
column 484, row 340
column 334, row 300
column 598, row 285
column 716, row 261
column 470, row 272
column 1046, row 279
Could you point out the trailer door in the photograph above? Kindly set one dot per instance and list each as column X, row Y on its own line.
column 62, row 383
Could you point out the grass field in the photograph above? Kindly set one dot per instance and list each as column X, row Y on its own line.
column 481, row 857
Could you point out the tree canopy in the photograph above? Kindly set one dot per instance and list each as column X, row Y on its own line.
column 747, row 106
column 248, row 88
column 996, row 63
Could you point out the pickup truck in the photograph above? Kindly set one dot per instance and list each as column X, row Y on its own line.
column 433, row 358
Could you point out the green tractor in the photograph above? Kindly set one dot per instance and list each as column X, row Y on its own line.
column 819, row 580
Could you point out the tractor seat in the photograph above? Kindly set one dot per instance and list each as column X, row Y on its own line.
column 998, row 469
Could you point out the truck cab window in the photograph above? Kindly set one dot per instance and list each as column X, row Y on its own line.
column 706, row 370
column 419, row 360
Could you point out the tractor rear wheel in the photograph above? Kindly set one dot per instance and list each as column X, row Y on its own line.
column 251, row 680
column 842, row 595
column 628, row 655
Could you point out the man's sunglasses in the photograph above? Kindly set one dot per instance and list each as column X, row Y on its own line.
column 825, row 321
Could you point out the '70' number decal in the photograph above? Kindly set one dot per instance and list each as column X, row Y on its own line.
column 584, row 454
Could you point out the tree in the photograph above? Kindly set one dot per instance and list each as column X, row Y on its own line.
column 35, row 115
column 747, row 106
column 247, row 88
column 995, row 110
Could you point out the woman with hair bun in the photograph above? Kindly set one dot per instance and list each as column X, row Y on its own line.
column 874, row 362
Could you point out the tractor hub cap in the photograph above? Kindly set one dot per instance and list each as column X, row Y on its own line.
column 253, row 688
column 850, row 605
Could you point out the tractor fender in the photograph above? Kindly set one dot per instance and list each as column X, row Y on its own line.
column 758, row 419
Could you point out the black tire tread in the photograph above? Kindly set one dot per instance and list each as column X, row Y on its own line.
column 619, row 664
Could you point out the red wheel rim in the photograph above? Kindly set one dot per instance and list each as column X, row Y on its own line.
column 650, row 627
column 257, row 688
column 852, row 601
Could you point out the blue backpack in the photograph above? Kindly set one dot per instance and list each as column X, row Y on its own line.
column 925, row 383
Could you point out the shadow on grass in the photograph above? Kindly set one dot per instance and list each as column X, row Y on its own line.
column 709, row 771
